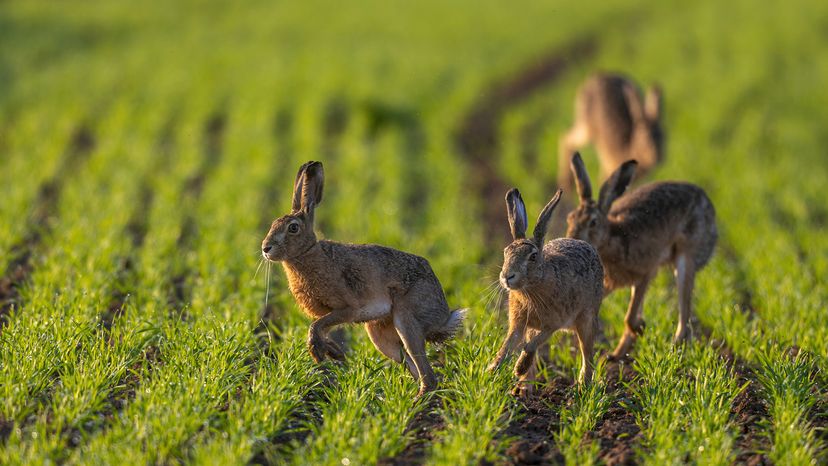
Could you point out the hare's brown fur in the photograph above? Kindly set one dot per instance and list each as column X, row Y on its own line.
column 394, row 293
column 558, row 287
column 611, row 114
column 636, row 233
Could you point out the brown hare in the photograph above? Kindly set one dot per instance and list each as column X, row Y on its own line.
column 553, row 286
column 635, row 233
column 394, row 293
column 610, row 113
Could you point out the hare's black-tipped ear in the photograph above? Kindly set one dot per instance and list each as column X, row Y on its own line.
column 582, row 183
column 616, row 185
column 296, row 204
column 516, row 211
column 312, row 183
column 543, row 218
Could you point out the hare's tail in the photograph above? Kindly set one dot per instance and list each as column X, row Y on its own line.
column 453, row 325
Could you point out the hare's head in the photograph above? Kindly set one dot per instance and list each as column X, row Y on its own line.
column 291, row 235
column 523, row 258
column 589, row 221
column 648, row 138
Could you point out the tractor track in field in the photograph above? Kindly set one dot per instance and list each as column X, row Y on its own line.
column 617, row 432
column 424, row 427
column 477, row 138
column 136, row 230
column 384, row 116
column 748, row 411
column 536, row 424
column 744, row 290
column 41, row 220
column 213, row 141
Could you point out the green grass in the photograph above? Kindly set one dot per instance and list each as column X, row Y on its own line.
column 138, row 334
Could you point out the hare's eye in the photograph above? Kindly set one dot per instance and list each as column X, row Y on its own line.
column 533, row 257
column 293, row 228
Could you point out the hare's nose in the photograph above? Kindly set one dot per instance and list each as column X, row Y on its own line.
column 510, row 277
column 266, row 249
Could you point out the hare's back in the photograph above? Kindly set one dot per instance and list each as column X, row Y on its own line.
column 576, row 259
column 655, row 204
column 400, row 267
column 661, row 212
column 603, row 104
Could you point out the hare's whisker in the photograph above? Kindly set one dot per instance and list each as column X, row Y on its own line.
column 267, row 287
column 256, row 274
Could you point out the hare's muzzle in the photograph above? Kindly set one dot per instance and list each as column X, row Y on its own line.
column 509, row 280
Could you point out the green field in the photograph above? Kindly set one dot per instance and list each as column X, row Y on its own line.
column 145, row 148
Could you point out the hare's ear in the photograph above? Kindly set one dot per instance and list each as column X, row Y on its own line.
column 516, row 211
column 582, row 183
column 296, row 204
column 653, row 103
column 633, row 100
column 312, row 183
column 543, row 218
column 615, row 186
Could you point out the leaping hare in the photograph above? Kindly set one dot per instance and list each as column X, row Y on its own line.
column 610, row 113
column 635, row 233
column 394, row 293
column 551, row 287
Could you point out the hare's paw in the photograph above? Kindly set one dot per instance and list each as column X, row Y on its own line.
column 427, row 385
column 639, row 327
column 317, row 347
column 524, row 363
column 333, row 350
column 523, row 389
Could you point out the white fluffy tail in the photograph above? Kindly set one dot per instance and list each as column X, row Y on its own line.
column 450, row 328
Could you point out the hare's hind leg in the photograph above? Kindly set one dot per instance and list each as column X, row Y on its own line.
column 685, row 272
column 411, row 334
column 633, row 323
column 385, row 338
column 586, row 328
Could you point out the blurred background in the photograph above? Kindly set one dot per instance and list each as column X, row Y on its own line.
column 145, row 148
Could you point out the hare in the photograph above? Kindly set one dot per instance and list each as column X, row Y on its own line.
column 395, row 294
column 551, row 287
column 609, row 112
column 635, row 233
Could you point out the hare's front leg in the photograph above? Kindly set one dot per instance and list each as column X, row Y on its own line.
column 633, row 323
column 318, row 343
column 535, row 339
column 526, row 367
column 512, row 343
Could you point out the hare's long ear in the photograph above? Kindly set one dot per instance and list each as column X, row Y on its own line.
column 616, row 185
column 516, row 211
column 543, row 218
column 653, row 103
column 296, row 204
column 582, row 183
column 633, row 100
column 312, row 183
